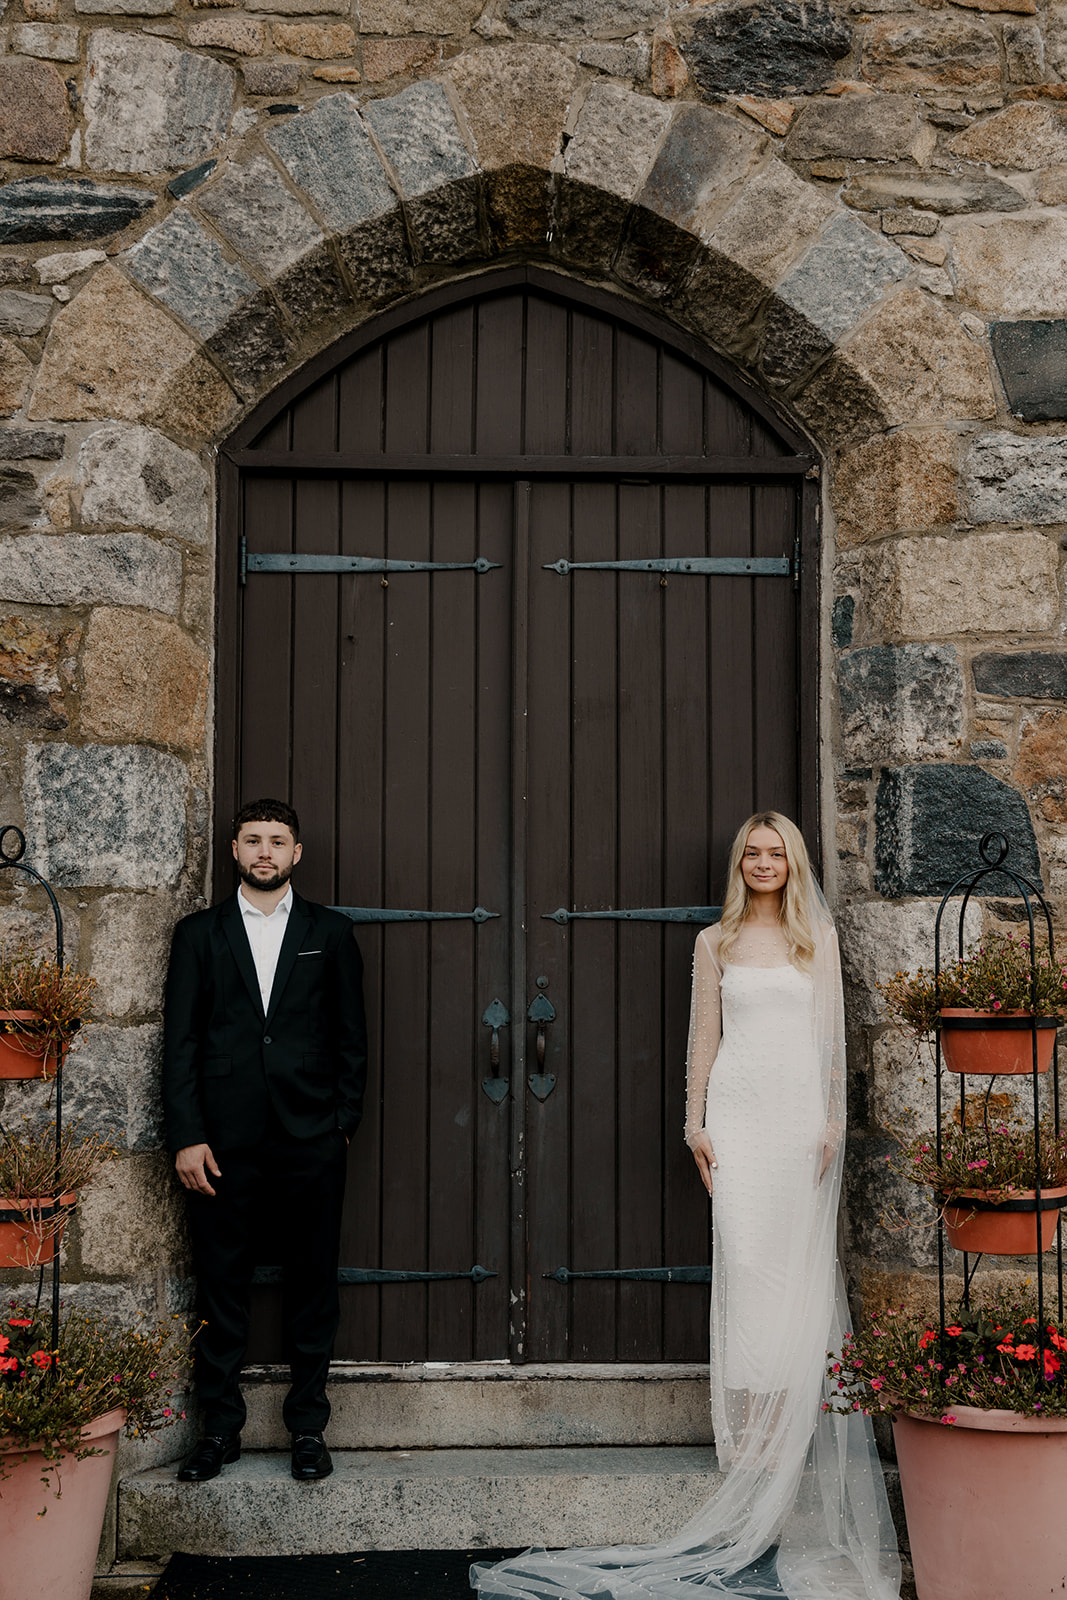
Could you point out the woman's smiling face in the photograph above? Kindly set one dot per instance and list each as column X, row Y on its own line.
column 764, row 863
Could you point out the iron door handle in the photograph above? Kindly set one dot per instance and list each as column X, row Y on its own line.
column 542, row 1013
column 495, row 1016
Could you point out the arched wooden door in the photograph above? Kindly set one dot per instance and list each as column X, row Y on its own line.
column 511, row 609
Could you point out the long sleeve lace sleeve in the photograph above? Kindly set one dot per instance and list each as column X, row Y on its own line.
column 834, row 1027
column 705, row 1029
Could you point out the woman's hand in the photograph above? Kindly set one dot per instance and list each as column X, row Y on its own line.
column 704, row 1156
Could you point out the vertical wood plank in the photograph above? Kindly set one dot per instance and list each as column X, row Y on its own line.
column 774, row 619
column 499, row 375
column 592, row 385
column 636, row 395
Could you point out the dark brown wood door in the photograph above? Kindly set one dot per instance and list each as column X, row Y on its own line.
column 519, row 757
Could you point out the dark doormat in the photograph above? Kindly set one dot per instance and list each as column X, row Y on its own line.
column 372, row 1575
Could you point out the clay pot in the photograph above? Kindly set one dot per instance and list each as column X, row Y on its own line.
column 53, row 1557
column 995, row 1043
column 984, row 1503
column 18, row 1056
column 1000, row 1232
column 21, row 1245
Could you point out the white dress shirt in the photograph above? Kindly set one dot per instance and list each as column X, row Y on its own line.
column 265, row 935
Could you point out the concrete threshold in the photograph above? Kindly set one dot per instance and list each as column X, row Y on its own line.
column 493, row 1405
column 419, row 1499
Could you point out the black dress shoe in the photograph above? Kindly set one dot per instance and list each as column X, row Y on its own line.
column 311, row 1459
column 210, row 1456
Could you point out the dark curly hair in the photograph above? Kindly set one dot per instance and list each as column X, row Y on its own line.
column 267, row 811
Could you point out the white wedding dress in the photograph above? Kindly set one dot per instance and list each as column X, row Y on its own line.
column 802, row 1509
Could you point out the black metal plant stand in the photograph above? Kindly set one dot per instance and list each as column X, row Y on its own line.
column 12, row 857
column 994, row 850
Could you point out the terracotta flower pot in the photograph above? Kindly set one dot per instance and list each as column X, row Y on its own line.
column 53, row 1557
column 1001, row 1232
column 981, row 1041
column 19, row 1055
column 22, row 1244
column 984, row 1503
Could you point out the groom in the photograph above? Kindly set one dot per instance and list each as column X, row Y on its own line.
column 264, row 1066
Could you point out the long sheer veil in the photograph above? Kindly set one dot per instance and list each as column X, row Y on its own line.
column 802, row 1509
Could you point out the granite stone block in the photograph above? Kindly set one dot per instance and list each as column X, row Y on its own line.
column 445, row 225
column 25, row 444
column 515, row 100
column 23, row 314
column 261, row 218
column 183, row 266
column 252, row 342
column 771, row 49
column 66, row 264
column 842, row 620
column 900, row 703
column 149, row 106
column 1014, row 479
column 616, row 140
column 46, row 40
column 929, row 820
column 1031, row 358
column 20, row 504
column 988, row 583
column 704, row 154
column 1025, row 674
column 1013, row 266
column 15, row 374
column 35, row 119
column 143, row 678
column 36, row 209
column 329, row 154
column 90, row 569
column 942, row 51
column 948, row 194
column 106, row 816
column 563, row 18
column 775, row 216
column 420, row 138
column 133, row 477
column 988, row 750
column 859, row 127
column 377, row 256
column 271, row 77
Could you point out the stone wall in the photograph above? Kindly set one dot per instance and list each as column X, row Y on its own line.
column 864, row 208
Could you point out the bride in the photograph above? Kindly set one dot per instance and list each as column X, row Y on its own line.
column 802, row 1509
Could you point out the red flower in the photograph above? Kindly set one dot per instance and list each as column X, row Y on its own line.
column 41, row 1358
column 20, row 1322
column 1052, row 1364
column 1026, row 1352
column 1007, row 1348
column 8, row 1364
column 954, row 1329
column 4, row 1342
column 1058, row 1340
column 926, row 1338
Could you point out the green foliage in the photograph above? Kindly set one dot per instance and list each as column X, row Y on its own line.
column 994, row 976
column 48, row 1396
column 996, row 1157
column 991, row 1358
column 31, row 1170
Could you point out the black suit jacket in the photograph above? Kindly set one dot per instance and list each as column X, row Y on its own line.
column 225, row 1064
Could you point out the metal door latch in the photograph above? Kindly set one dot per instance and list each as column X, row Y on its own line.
column 542, row 1012
column 495, row 1016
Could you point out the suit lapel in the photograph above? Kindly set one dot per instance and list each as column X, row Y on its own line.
column 233, row 926
column 296, row 927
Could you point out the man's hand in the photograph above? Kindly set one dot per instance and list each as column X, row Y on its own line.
column 193, row 1165
column 704, row 1156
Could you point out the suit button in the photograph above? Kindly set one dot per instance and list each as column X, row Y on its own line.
column 267, row 1039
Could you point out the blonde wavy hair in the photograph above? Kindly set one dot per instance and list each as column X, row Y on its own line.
column 793, row 916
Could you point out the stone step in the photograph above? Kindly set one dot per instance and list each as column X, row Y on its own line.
column 419, row 1499
column 493, row 1405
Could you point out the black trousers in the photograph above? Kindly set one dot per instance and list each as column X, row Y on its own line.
column 297, row 1187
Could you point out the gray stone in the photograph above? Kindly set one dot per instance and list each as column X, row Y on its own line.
column 704, row 154
column 860, row 127
column 130, row 946
column 767, row 49
column 420, row 138
column 24, row 705
column 842, row 620
column 929, row 821
column 617, row 60
column 558, row 18
column 24, row 314
column 125, row 8
column 271, row 77
column 131, row 477
column 1013, row 479
column 900, row 703
column 20, row 504
column 1024, row 49
column 184, row 267
column 946, row 193
column 66, row 264
column 1027, row 674
column 616, row 139
column 186, row 182
column 1031, row 358
column 313, row 288
column 878, row 940
column 90, row 569
column 106, row 816
column 988, row 750
column 252, row 342
column 922, row 223
column 25, row 444
column 47, row 41
column 834, row 284
column 33, row 209
column 112, row 1088
column 149, row 106
column 253, row 208
column 131, row 1220
column 455, row 1499
column 377, row 256
column 329, row 154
